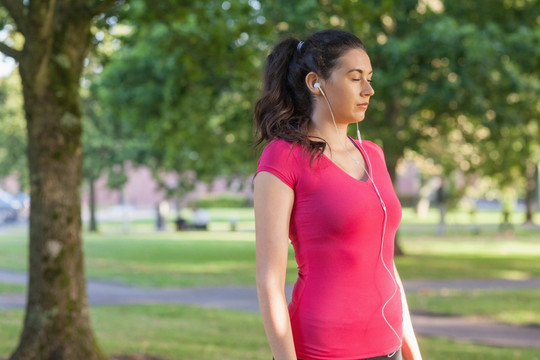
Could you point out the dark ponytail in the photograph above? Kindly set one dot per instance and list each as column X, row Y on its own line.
column 285, row 106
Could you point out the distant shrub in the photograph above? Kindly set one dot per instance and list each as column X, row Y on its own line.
column 408, row 200
column 222, row 201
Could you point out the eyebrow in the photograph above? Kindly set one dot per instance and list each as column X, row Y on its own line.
column 360, row 71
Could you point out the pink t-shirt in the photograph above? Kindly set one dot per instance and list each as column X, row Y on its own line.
column 336, row 228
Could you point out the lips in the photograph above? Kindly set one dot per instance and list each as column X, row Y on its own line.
column 363, row 105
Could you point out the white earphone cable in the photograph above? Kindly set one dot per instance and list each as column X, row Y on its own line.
column 383, row 207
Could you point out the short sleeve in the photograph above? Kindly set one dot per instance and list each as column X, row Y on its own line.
column 278, row 158
column 377, row 149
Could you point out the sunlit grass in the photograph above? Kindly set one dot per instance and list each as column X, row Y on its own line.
column 432, row 257
column 187, row 332
column 473, row 245
column 510, row 306
column 170, row 331
column 435, row 266
column 171, row 259
column 222, row 257
column 439, row 348
column 206, row 258
column 11, row 288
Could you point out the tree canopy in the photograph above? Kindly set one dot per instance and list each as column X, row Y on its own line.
column 453, row 84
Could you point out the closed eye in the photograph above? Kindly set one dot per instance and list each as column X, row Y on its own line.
column 368, row 80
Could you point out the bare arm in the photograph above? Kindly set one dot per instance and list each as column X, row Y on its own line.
column 273, row 202
column 410, row 349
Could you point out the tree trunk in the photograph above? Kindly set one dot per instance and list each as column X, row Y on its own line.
column 56, row 324
column 529, row 199
column 441, row 203
column 93, row 222
column 392, row 166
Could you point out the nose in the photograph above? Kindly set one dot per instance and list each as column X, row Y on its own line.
column 367, row 89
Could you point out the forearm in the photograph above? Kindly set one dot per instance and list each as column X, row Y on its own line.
column 410, row 349
column 276, row 321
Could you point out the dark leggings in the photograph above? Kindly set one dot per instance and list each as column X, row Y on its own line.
column 396, row 356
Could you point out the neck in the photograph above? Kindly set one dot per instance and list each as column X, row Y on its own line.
column 323, row 127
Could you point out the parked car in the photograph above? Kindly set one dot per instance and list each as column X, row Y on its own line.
column 11, row 207
column 7, row 212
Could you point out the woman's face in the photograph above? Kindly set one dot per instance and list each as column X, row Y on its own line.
column 349, row 86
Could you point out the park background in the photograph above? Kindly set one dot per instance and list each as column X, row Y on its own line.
column 167, row 89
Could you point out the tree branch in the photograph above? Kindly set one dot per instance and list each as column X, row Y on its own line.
column 11, row 52
column 16, row 9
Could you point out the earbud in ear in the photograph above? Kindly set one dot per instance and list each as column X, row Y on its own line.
column 318, row 86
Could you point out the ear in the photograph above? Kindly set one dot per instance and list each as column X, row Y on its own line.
column 311, row 79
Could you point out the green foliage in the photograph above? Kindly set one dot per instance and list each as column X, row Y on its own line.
column 179, row 80
column 12, row 130
column 107, row 144
column 222, row 201
column 454, row 84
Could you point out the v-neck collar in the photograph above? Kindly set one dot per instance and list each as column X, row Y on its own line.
column 368, row 168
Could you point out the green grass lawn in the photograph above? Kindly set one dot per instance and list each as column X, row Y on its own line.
column 455, row 257
column 170, row 331
column 170, row 259
column 222, row 257
column 184, row 333
column 219, row 257
column 11, row 288
column 511, row 306
column 438, row 348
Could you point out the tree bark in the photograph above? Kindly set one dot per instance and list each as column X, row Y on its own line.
column 93, row 221
column 441, row 203
column 56, row 324
column 529, row 197
column 392, row 166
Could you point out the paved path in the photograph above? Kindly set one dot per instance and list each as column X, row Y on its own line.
column 245, row 298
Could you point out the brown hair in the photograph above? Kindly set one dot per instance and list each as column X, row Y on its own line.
column 284, row 109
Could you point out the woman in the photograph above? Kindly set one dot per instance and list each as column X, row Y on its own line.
column 333, row 198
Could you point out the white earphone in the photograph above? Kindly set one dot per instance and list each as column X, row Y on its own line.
column 318, row 86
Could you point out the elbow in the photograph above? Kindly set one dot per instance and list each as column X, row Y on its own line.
column 269, row 285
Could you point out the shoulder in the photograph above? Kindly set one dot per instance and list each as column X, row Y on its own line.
column 373, row 147
column 373, row 150
column 278, row 145
column 370, row 147
column 282, row 159
column 280, row 150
